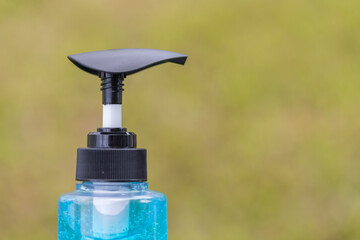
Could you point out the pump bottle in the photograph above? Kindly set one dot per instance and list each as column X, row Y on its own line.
column 112, row 200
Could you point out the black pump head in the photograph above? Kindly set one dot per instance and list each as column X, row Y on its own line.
column 112, row 66
column 111, row 154
column 124, row 61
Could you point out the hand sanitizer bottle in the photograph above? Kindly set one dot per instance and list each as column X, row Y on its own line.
column 112, row 200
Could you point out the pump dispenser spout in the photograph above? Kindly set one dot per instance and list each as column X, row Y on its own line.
column 112, row 154
column 112, row 66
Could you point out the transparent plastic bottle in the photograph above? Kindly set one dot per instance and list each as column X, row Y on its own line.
column 112, row 210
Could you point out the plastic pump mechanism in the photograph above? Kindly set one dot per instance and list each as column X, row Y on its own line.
column 111, row 153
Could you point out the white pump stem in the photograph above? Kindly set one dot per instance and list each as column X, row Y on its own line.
column 112, row 116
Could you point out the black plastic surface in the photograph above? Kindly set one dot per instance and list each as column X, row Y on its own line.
column 112, row 88
column 111, row 165
column 111, row 139
column 126, row 60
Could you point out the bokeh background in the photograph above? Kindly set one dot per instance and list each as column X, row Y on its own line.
column 256, row 137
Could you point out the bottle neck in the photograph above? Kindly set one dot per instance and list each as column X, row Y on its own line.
column 112, row 186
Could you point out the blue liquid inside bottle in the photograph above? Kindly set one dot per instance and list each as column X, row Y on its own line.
column 112, row 211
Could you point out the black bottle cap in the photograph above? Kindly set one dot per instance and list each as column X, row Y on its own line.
column 111, row 153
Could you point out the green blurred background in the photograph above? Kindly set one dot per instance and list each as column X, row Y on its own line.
column 257, row 136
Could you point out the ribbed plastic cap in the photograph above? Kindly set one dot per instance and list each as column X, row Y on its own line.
column 111, row 156
column 111, row 165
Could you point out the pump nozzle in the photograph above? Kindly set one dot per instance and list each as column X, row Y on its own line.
column 112, row 66
column 111, row 154
column 124, row 61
